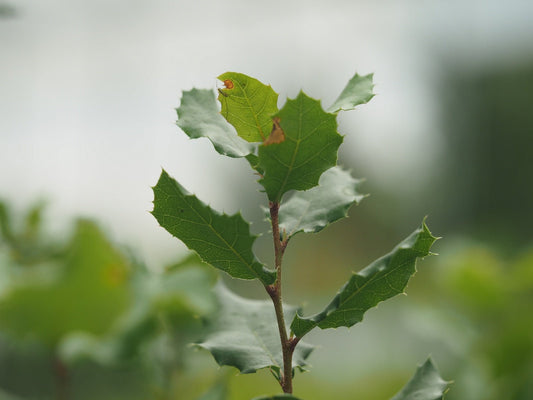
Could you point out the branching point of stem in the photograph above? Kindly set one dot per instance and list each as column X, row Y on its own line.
column 274, row 291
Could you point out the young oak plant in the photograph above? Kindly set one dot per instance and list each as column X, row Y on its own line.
column 294, row 152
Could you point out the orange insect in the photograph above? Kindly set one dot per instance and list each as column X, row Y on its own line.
column 228, row 83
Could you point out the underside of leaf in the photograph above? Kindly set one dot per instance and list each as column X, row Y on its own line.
column 357, row 91
column 244, row 334
column 426, row 384
column 198, row 116
column 316, row 208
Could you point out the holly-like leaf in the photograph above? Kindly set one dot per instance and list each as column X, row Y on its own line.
column 426, row 384
column 310, row 148
column 357, row 91
column 244, row 334
column 221, row 240
column 278, row 397
column 381, row 280
column 198, row 116
column 248, row 105
column 314, row 209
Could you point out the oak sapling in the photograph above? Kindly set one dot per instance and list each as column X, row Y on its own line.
column 293, row 150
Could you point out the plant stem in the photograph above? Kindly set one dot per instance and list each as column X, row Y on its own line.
column 287, row 345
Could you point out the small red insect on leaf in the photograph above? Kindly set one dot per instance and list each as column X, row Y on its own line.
column 228, row 83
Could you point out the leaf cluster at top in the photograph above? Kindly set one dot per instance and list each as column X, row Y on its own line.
column 292, row 148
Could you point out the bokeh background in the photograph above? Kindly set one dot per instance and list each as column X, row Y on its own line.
column 87, row 97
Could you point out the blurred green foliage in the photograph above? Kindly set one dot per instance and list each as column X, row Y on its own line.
column 495, row 296
column 83, row 320
column 7, row 10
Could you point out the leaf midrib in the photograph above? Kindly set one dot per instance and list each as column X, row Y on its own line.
column 249, row 266
column 258, row 126
column 371, row 280
column 290, row 167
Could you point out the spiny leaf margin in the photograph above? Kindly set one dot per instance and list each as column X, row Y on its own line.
column 384, row 278
column 221, row 240
column 357, row 91
column 310, row 148
column 312, row 210
column 426, row 384
column 198, row 116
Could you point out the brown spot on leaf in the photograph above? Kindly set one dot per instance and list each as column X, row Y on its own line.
column 277, row 135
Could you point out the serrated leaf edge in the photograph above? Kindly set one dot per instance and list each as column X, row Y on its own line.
column 345, row 209
column 188, row 194
column 278, row 196
column 298, row 318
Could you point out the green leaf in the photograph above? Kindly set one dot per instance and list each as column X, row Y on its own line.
column 278, row 397
column 86, row 290
column 357, row 91
column 198, row 116
column 221, row 240
column 310, row 148
column 426, row 384
column 178, row 296
column 253, row 160
column 314, row 209
column 248, row 105
column 381, row 280
column 244, row 334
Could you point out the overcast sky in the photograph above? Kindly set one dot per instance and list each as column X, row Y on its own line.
column 88, row 90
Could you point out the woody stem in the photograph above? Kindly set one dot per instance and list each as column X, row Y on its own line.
column 274, row 290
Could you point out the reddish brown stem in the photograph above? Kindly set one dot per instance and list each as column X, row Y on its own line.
column 274, row 290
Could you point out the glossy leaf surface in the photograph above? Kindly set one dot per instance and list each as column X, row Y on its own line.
column 244, row 334
column 310, row 148
column 221, row 240
column 381, row 280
